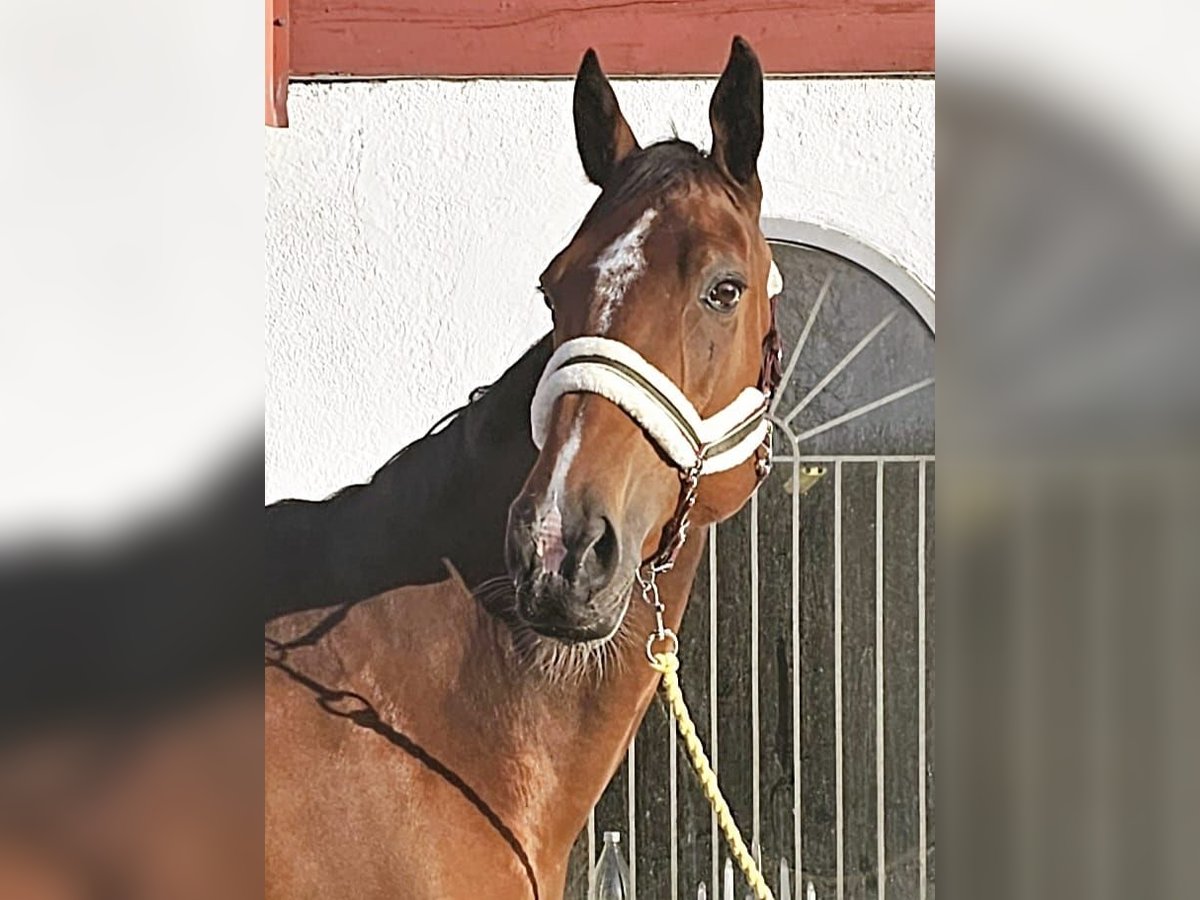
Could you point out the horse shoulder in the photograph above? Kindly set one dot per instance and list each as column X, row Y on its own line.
column 359, row 812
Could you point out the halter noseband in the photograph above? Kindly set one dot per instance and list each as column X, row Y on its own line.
column 695, row 445
column 619, row 373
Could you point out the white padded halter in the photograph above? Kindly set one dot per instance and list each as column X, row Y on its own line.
column 620, row 374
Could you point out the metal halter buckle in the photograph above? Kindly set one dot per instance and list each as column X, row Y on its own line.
column 766, row 453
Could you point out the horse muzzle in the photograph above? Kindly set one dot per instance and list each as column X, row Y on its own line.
column 564, row 565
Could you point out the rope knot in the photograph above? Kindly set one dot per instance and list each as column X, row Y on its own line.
column 666, row 663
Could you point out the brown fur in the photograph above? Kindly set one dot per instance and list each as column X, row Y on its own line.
column 423, row 743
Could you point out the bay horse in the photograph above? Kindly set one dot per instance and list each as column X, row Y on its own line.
column 455, row 651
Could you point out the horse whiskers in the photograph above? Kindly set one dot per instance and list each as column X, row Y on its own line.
column 555, row 660
column 570, row 664
column 490, row 585
column 502, row 578
column 496, row 594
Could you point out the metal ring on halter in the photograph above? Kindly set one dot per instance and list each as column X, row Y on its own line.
column 655, row 637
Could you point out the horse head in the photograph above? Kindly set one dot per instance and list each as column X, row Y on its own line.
column 671, row 269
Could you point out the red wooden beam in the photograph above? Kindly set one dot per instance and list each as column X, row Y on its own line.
column 530, row 38
column 279, row 64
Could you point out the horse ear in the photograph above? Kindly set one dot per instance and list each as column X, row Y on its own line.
column 736, row 116
column 601, row 132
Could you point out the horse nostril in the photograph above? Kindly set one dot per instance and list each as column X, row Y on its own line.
column 598, row 556
column 605, row 548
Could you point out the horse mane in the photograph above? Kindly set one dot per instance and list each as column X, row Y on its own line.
column 397, row 528
column 656, row 170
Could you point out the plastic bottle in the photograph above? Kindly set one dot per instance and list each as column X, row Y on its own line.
column 611, row 880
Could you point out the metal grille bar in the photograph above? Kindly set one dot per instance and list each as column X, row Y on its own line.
column 815, row 458
column 673, row 764
column 756, row 748
column 880, row 838
column 798, row 808
column 631, row 787
column 839, row 786
column 712, row 690
column 591, row 839
column 924, row 837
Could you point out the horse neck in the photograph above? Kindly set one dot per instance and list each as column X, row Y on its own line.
column 564, row 739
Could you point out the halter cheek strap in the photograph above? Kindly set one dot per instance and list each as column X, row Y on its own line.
column 620, row 374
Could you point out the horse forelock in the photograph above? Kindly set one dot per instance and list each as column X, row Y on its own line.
column 651, row 174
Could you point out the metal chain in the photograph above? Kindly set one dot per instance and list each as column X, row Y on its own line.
column 664, row 559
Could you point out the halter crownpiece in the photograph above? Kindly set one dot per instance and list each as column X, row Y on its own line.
column 620, row 374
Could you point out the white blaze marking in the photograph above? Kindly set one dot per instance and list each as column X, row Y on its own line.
column 562, row 465
column 550, row 520
column 550, row 541
column 619, row 266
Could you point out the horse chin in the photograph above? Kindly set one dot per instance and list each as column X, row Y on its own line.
column 552, row 608
column 573, row 655
column 594, row 633
column 597, row 634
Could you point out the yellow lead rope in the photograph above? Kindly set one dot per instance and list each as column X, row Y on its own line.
column 668, row 664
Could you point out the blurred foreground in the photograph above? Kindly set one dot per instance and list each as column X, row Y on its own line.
column 131, row 714
column 1069, row 488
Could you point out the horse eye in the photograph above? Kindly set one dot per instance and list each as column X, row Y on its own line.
column 546, row 298
column 724, row 296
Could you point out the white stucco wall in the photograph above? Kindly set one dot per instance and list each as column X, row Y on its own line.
column 408, row 221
